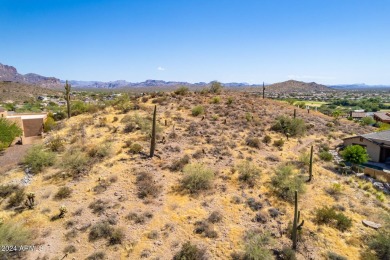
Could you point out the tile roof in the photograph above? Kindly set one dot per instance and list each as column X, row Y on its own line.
column 382, row 115
column 383, row 136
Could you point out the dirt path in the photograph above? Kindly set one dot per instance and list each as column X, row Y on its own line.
column 12, row 156
column 305, row 144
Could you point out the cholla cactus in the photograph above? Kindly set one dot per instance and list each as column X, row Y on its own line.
column 30, row 202
column 63, row 210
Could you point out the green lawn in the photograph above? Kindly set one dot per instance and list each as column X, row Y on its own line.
column 313, row 103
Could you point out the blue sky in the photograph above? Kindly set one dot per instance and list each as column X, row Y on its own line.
column 326, row 41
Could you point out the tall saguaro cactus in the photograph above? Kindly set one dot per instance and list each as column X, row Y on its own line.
column 311, row 164
column 296, row 226
column 153, row 136
column 67, row 97
column 263, row 90
column 295, row 113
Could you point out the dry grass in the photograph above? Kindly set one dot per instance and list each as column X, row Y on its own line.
column 216, row 197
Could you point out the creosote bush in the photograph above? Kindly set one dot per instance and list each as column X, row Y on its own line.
column 289, row 126
column 248, row 172
column 285, row 182
column 76, row 162
column 147, row 187
column 256, row 246
column 189, row 251
column 38, row 158
column 326, row 156
column 253, row 142
column 329, row 216
column 198, row 110
column 179, row 164
column 196, row 178
column 63, row 193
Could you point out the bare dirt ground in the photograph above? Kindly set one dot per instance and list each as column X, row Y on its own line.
column 12, row 157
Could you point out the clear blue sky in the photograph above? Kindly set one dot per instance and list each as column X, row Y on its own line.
column 327, row 41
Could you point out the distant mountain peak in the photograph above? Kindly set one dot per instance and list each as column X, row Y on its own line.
column 9, row 73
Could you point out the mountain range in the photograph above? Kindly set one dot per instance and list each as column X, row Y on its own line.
column 10, row 74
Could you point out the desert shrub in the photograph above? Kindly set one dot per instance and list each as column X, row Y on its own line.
column 153, row 234
column 267, row 139
column 116, row 237
column 183, row 90
column 98, row 206
column 215, row 217
column 8, row 132
column 230, row 100
column 248, row 172
column 368, row 120
column 13, row 234
column 76, row 162
column 216, row 100
column 37, row 158
column 100, row 230
column 326, row 156
column 256, row 246
column 7, row 190
column 355, row 154
column 279, row 143
column 196, row 178
column 16, row 199
column 139, row 218
column 97, row 256
column 179, row 164
column 327, row 215
column 63, row 193
column 288, row 254
column 56, row 144
column 147, row 186
column 198, row 110
column 285, row 182
column 69, row 249
column 49, row 124
column 335, row 189
column 189, row 251
column 99, row 151
column 254, row 204
column 380, row 241
column 253, row 142
column 215, row 87
column 304, row 159
column 205, row 228
column 334, row 256
column 135, row 148
column 289, row 126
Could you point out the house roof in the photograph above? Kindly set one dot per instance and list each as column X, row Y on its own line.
column 383, row 136
column 382, row 116
column 359, row 114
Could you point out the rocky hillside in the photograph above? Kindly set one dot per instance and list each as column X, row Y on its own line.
column 10, row 74
column 220, row 186
column 297, row 86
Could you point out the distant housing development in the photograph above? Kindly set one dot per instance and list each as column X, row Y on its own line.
column 31, row 124
column 377, row 145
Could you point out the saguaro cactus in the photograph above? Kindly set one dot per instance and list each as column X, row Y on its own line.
column 295, row 112
column 153, row 136
column 263, row 90
column 296, row 226
column 311, row 164
column 67, row 97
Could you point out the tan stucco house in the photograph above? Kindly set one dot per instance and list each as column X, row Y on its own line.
column 31, row 124
column 377, row 145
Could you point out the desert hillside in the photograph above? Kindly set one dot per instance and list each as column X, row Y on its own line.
column 117, row 203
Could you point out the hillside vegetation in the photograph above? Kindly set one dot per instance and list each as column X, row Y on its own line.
column 220, row 186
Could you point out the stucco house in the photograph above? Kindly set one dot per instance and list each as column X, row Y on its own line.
column 377, row 145
column 31, row 124
column 383, row 117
